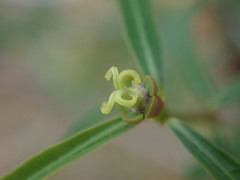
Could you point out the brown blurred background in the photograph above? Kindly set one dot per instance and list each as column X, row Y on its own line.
column 53, row 56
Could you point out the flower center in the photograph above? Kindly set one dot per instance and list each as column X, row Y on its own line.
column 126, row 91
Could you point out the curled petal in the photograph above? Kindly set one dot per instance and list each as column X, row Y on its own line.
column 106, row 107
column 126, row 99
column 113, row 72
column 128, row 78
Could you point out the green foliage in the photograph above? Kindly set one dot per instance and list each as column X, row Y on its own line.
column 230, row 95
column 57, row 156
column 88, row 119
column 181, row 63
column 217, row 162
column 142, row 36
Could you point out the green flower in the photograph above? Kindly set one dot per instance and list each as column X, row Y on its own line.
column 124, row 95
column 135, row 99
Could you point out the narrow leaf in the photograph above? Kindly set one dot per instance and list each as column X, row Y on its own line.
column 215, row 161
column 55, row 157
column 88, row 119
column 142, row 36
column 183, row 71
column 229, row 95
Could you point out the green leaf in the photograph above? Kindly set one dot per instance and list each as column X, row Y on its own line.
column 215, row 161
column 229, row 95
column 55, row 157
column 88, row 119
column 196, row 172
column 183, row 71
column 142, row 36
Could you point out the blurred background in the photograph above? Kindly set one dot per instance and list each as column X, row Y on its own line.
column 53, row 57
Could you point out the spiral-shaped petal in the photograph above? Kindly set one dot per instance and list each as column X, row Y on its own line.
column 107, row 106
column 113, row 72
column 128, row 77
column 126, row 99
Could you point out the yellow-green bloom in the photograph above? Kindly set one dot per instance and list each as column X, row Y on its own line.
column 136, row 100
column 124, row 94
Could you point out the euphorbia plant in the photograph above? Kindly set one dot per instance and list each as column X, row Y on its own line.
column 139, row 97
column 136, row 99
